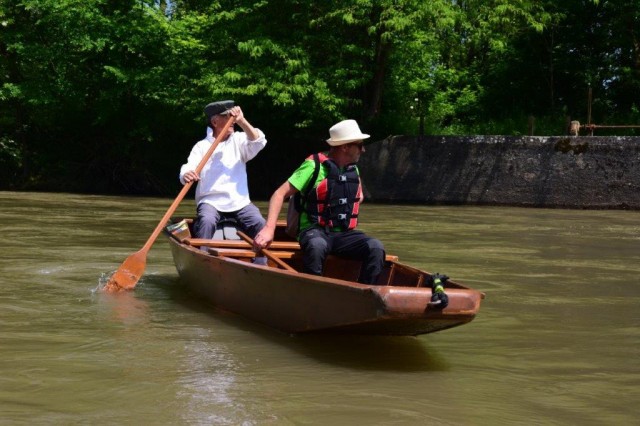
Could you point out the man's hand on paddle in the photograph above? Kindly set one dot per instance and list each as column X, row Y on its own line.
column 263, row 239
column 191, row 176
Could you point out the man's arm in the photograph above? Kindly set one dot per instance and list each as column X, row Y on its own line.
column 265, row 236
column 252, row 132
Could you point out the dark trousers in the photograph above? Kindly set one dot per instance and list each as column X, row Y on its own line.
column 249, row 219
column 317, row 243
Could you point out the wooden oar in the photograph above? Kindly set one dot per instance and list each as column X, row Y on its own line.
column 129, row 273
column 267, row 253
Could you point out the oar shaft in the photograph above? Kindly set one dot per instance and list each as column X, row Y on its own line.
column 268, row 253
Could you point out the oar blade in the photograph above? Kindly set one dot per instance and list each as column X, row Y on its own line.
column 128, row 274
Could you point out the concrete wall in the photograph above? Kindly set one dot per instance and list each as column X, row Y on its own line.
column 564, row 171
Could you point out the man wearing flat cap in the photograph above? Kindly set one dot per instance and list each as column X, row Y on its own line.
column 330, row 192
column 223, row 190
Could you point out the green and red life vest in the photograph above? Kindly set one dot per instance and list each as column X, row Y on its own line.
column 335, row 201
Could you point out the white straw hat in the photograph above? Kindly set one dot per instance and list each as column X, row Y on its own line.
column 344, row 132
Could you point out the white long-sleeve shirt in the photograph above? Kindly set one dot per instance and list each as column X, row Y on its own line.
column 223, row 180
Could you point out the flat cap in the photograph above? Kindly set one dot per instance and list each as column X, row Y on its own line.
column 219, row 107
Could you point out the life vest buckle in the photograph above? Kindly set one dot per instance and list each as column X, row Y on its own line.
column 342, row 201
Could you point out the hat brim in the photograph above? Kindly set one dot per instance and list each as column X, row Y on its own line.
column 338, row 142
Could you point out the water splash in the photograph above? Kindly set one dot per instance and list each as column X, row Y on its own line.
column 102, row 281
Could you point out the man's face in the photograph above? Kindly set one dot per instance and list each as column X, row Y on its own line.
column 218, row 122
column 354, row 149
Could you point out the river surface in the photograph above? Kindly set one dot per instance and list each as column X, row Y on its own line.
column 557, row 339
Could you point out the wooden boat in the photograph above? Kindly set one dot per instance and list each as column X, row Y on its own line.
column 223, row 272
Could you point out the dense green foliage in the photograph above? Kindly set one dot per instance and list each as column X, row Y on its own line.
column 107, row 95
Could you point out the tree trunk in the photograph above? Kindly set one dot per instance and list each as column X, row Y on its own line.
column 376, row 87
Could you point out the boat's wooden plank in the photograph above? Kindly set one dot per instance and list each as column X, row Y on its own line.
column 276, row 245
column 281, row 254
column 231, row 252
column 280, row 223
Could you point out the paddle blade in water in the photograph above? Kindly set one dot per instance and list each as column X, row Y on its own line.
column 128, row 274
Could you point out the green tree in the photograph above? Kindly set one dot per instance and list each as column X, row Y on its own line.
column 584, row 44
column 107, row 95
column 86, row 85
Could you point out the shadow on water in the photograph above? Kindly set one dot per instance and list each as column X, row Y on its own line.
column 380, row 353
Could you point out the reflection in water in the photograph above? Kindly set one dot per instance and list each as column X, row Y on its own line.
column 206, row 378
column 556, row 340
column 125, row 307
column 207, row 383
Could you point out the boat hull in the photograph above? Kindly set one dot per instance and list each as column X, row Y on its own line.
column 295, row 303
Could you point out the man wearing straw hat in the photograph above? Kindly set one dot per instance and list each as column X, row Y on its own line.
column 331, row 195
